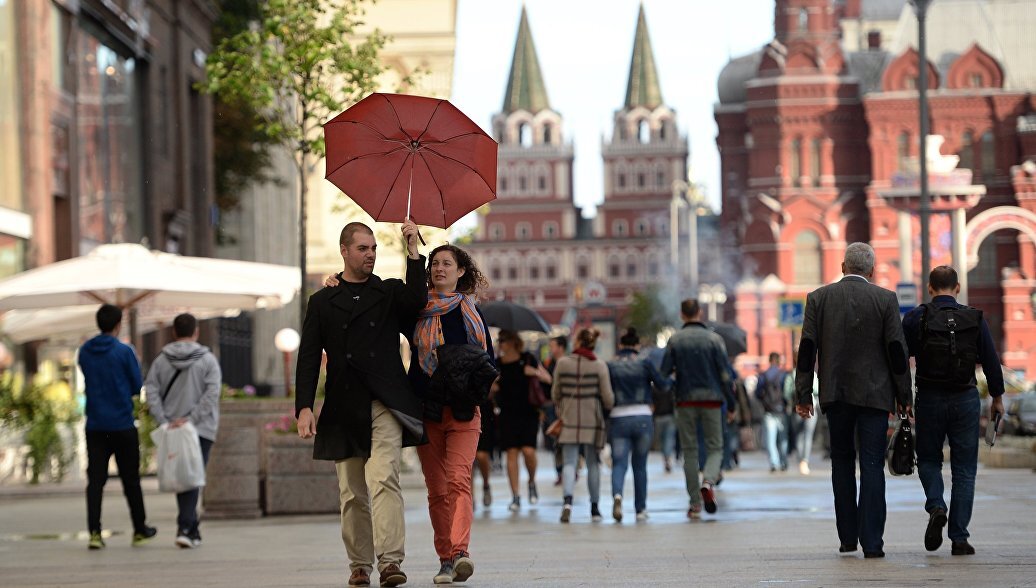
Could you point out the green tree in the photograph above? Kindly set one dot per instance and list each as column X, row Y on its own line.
column 648, row 314
column 297, row 65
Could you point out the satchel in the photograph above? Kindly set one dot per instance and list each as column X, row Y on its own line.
column 554, row 429
column 537, row 398
column 900, row 454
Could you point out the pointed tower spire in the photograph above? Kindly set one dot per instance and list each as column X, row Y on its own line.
column 525, row 88
column 643, row 88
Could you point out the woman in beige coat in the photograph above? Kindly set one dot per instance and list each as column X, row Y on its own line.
column 582, row 391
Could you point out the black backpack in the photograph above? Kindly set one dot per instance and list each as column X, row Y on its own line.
column 949, row 346
column 772, row 393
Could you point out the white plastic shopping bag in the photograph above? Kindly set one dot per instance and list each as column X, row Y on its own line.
column 178, row 456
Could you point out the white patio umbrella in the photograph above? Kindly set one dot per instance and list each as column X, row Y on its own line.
column 76, row 322
column 153, row 284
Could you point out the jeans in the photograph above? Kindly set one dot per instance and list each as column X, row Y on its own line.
column 570, row 453
column 954, row 416
column 863, row 520
column 804, row 438
column 688, row 420
column 187, row 502
column 731, row 444
column 776, row 444
column 100, row 446
column 631, row 434
column 666, row 427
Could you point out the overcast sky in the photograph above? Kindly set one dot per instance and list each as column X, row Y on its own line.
column 584, row 47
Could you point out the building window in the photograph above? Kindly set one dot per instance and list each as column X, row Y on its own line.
column 660, row 179
column 552, row 272
column 524, row 135
column 548, row 134
column 614, row 271
column 620, row 228
column 494, row 274
column 807, row 258
column 583, row 269
column 975, row 80
column 503, row 184
column 534, row 272
column 814, row 161
column 641, row 180
column 512, row 273
column 523, row 231
column 988, row 154
column 652, row 267
column 496, row 231
column 643, row 132
column 521, row 184
column 550, row 230
column 796, row 162
column 641, row 228
column 803, row 20
column 967, row 151
column 749, row 141
column 542, row 182
column 661, row 226
column 902, row 150
column 663, row 130
column 631, row 267
column 910, row 82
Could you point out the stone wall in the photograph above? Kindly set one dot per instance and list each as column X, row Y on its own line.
column 294, row 482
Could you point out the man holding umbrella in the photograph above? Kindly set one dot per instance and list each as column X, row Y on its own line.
column 370, row 411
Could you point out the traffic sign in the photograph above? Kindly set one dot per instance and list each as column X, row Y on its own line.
column 791, row 311
column 906, row 292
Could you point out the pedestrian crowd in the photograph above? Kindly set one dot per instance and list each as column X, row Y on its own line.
column 468, row 401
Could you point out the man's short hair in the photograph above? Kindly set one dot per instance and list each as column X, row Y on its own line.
column 775, row 357
column 690, row 307
column 184, row 325
column 943, row 278
column 346, row 238
column 108, row 317
column 859, row 259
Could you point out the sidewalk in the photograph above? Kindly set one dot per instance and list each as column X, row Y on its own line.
column 770, row 529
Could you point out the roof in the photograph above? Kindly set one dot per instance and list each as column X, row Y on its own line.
column 868, row 67
column 881, row 9
column 525, row 87
column 731, row 83
column 643, row 88
column 1003, row 28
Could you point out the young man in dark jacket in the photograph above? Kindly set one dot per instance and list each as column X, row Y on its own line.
column 112, row 377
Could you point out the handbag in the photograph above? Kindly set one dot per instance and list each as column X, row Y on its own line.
column 900, row 453
column 554, row 429
column 537, row 397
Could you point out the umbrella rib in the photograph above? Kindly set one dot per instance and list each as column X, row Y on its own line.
column 442, row 197
column 448, row 139
column 428, row 123
column 369, row 126
column 399, row 123
column 385, row 203
column 364, row 156
column 459, row 162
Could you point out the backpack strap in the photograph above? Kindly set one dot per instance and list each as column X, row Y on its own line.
column 169, row 386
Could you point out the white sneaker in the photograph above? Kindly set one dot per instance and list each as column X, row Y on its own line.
column 642, row 516
column 515, row 505
column 185, row 542
column 804, row 468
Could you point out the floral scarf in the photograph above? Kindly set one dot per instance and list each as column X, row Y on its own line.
column 428, row 332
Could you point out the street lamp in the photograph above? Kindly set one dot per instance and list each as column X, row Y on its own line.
column 713, row 295
column 921, row 9
column 287, row 341
column 679, row 188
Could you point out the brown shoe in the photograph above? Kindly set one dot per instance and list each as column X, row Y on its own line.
column 391, row 575
column 360, row 577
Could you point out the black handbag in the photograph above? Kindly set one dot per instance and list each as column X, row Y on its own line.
column 900, row 454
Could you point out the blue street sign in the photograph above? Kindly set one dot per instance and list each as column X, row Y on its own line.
column 791, row 311
column 906, row 292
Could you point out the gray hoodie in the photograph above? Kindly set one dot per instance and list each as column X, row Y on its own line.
column 194, row 394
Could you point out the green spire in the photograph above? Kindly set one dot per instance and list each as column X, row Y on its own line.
column 525, row 88
column 643, row 88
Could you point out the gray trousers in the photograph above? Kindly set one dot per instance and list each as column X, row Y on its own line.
column 688, row 419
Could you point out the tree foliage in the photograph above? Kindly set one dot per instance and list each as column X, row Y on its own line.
column 647, row 312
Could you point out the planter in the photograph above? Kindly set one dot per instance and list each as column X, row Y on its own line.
column 294, row 482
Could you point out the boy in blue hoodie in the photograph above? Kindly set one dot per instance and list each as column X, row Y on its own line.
column 112, row 377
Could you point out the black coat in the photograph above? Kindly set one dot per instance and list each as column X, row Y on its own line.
column 461, row 381
column 361, row 340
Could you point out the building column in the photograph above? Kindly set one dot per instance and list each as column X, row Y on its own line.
column 906, row 247
column 959, row 243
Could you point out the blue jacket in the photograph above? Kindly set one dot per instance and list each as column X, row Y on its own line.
column 987, row 354
column 112, row 377
column 699, row 358
column 632, row 378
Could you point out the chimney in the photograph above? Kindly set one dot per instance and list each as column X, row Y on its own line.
column 873, row 40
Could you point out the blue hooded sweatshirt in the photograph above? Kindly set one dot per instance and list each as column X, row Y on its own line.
column 112, row 377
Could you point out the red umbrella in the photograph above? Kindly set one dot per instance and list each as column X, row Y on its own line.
column 389, row 146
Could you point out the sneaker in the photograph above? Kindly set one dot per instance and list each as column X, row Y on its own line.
column 617, row 508
column 694, row 512
column 708, row 496
column 96, row 541
column 487, row 496
column 534, row 496
column 446, row 573
column 145, row 535
column 184, row 541
column 516, row 504
column 804, row 468
column 595, row 513
column 668, row 465
column 463, row 567
column 196, row 538
column 566, row 513
column 359, row 577
column 933, row 534
column 642, row 516
column 391, row 575
column 962, row 548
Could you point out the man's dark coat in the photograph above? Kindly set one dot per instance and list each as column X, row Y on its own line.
column 361, row 339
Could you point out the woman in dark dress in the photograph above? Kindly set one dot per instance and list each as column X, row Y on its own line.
column 518, row 422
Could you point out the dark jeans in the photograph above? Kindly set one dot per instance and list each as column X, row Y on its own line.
column 187, row 502
column 952, row 416
column 864, row 520
column 100, row 446
column 631, row 434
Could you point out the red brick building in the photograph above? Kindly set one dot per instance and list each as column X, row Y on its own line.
column 819, row 138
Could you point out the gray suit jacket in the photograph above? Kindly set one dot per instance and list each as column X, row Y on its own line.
column 853, row 327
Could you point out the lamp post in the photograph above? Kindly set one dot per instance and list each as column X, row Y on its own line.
column 713, row 295
column 921, row 9
column 287, row 341
column 679, row 188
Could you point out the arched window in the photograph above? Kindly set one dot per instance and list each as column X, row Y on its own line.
column 988, row 154
column 512, row 271
column 548, row 134
column 523, row 231
column 814, row 161
column 550, row 230
column 643, row 132
column 552, row 271
column 641, row 228
column 583, row 269
column 622, row 180
column 663, row 130
column 660, row 178
column 631, row 266
column 796, row 162
column 524, row 135
column 641, row 179
column 614, row 270
column 652, row 265
column 496, row 231
column 534, row 273
column 620, row 228
column 541, row 183
column 522, row 184
column 503, row 184
column 967, row 151
column 494, row 273
column 902, row 150
column 803, row 20
column 807, row 258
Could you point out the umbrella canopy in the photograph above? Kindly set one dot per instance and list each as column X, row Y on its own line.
column 76, row 322
column 513, row 317
column 733, row 336
column 388, row 147
column 127, row 275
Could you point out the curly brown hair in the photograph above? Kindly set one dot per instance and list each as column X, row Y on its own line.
column 587, row 338
column 473, row 281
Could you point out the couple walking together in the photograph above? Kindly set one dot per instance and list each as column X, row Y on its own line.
column 372, row 407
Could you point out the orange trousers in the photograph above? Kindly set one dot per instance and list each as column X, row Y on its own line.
column 446, row 461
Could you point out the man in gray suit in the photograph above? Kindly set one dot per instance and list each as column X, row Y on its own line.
column 854, row 327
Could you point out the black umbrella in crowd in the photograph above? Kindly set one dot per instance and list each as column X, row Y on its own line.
column 513, row 317
column 733, row 336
